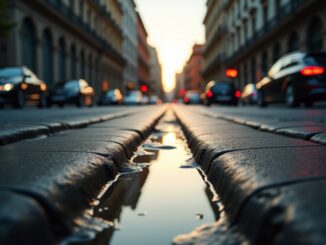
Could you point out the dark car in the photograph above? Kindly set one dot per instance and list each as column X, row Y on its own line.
column 111, row 97
column 19, row 85
column 221, row 92
column 295, row 78
column 192, row 97
column 249, row 94
column 77, row 92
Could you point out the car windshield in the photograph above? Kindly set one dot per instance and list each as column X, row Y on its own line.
column 11, row 72
column 69, row 85
column 316, row 60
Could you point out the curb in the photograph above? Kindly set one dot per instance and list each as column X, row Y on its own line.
column 58, row 206
column 46, row 129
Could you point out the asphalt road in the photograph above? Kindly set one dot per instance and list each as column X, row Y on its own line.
column 10, row 117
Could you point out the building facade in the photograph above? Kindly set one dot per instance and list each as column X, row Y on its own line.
column 130, row 43
column 68, row 39
column 193, row 69
column 250, row 35
column 143, row 53
column 155, row 82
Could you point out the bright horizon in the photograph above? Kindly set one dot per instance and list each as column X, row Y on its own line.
column 173, row 26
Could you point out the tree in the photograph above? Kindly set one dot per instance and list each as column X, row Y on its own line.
column 5, row 21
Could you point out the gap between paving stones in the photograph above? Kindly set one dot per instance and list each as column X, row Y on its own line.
column 66, row 195
column 13, row 135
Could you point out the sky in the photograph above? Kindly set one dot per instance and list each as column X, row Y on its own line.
column 173, row 27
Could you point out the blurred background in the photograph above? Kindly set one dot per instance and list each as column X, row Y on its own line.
column 87, row 52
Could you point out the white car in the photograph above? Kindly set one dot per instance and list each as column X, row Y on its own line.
column 134, row 98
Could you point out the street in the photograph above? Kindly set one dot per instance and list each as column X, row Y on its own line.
column 140, row 122
column 104, row 171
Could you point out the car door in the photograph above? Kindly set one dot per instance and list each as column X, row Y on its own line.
column 269, row 84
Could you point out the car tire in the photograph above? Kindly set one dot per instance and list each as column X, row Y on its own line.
column 261, row 101
column 20, row 99
column 290, row 97
column 61, row 105
column 80, row 102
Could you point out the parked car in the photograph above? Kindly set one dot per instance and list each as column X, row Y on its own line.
column 295, row 78
column 221, row 92
column 111, row 97
column 154, row 99
column 77, row 92
column 19, row 85
column 249, row 94
column 134, row 97
column 192, row 97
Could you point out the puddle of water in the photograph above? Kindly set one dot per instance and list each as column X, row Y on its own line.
column 165, row 199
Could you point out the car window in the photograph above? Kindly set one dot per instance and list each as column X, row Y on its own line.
column 221, row 86
column 72, row 85
column 290, row 63
column 11, row 72
column 314, row 60
column 275, row 69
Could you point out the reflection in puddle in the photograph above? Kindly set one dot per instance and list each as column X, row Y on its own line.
column 165, row 199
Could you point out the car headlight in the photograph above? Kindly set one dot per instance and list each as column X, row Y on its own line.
column 6, row 87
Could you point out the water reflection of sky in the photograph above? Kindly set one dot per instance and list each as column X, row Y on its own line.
column 161, row 202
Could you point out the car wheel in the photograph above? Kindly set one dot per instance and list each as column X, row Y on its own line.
column 61, row 105
column 290, row 97
column 308, row 103
column 20, row 99
column 43, row 102
column 80, row 102
column 261, row 101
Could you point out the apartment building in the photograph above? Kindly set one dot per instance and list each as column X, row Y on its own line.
column 155, row 73
column 68, row 39
column 130, row 43
column 250, row 35
column 143, row 53
column 193, row 69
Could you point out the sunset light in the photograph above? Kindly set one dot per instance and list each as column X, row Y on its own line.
column 174, row 26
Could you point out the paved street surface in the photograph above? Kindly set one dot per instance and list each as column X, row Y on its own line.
column 254, row 175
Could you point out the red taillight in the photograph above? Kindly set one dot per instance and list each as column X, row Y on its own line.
column 209, row 94
column 186, row 99
column 238, row 93
column 312, row 70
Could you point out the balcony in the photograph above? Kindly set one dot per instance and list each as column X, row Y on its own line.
column 67, row 13
column 285, row 13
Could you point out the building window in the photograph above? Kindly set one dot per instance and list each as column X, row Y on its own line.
column 264, row 63
column 73, row 62
column 28, row 43
column 253, row 25
column 265, row 13
column 81, row 9
column 47, row 57
column 276, row 52
column 62, row 59
column 82, row 64
column 277, row 6
column 253, row 70
column 315, row 36
column 90, row 69
column 293, row 43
